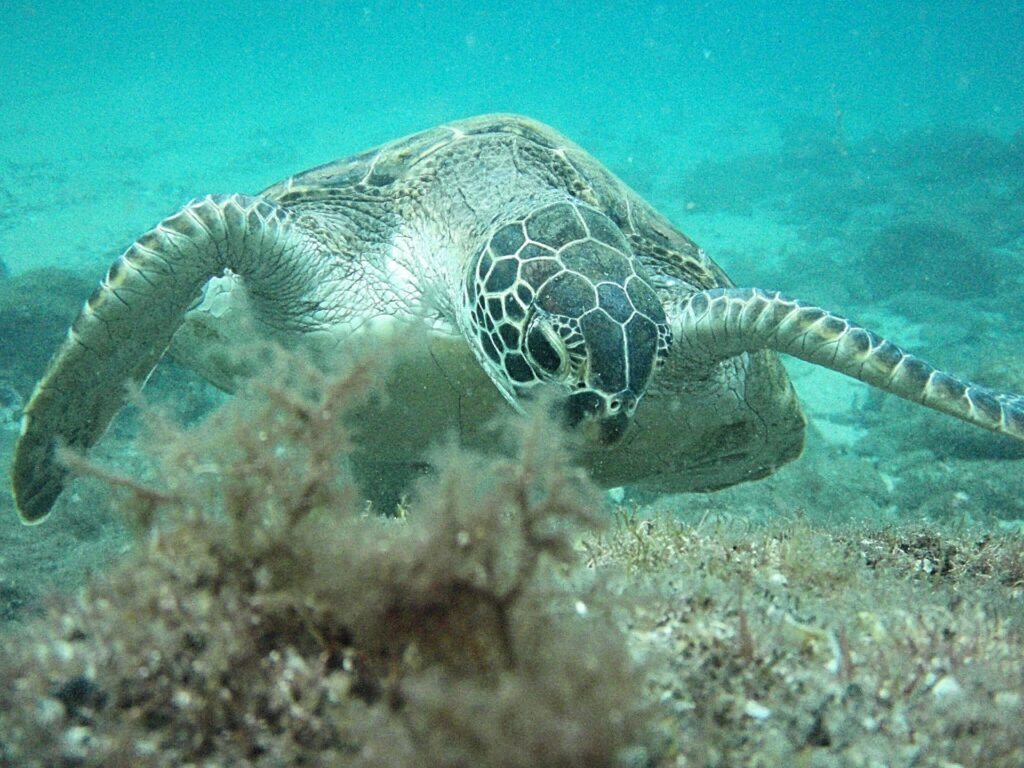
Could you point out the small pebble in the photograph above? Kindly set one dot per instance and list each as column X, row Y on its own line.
column 946, row 688
column 756, row 710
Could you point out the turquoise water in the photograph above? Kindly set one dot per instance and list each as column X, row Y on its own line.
column 112, row 115
column 866, row 157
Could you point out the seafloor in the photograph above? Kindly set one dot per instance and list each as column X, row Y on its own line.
column 861, row 607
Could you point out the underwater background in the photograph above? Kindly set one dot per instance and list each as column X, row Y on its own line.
column 866, row 157
column 114, row 114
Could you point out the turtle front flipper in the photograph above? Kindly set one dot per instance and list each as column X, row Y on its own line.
column 720, row 323
column 126, row 325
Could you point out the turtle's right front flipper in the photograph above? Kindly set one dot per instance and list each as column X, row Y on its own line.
column 126, row 325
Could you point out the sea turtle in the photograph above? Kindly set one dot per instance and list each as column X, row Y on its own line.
column 529, row 265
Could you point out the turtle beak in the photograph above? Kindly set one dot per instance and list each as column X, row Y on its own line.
column 587, row 411
column 611, row 428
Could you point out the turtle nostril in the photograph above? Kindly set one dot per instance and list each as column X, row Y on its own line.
column 624, row 401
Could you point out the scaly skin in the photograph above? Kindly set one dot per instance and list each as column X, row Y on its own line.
column 724, row 322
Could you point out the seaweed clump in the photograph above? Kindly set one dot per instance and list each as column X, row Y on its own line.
column 789, row 642
column 265, row 619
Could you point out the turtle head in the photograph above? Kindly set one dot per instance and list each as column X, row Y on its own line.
column 557, row 299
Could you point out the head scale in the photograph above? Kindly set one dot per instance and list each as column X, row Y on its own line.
column 558, row 298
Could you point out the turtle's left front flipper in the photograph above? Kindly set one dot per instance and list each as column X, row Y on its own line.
column 126, row 325
column 723, row 322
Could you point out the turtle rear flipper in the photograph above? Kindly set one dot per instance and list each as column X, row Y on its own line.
column 127, row 324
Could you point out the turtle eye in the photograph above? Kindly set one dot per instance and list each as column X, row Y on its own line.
column 545, row 350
